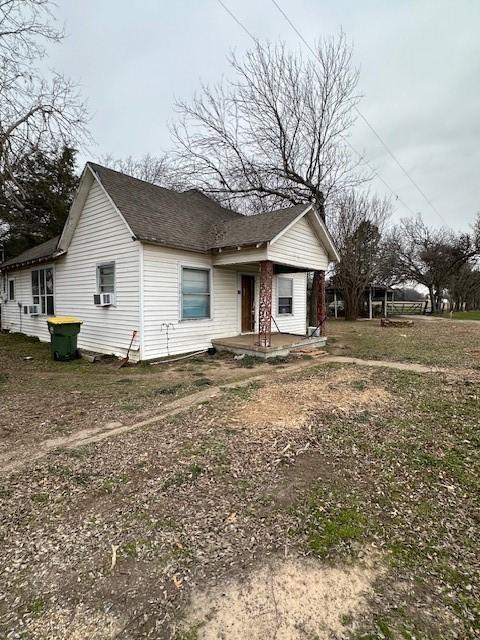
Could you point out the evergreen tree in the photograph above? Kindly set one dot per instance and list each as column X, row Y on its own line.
column 34, row 207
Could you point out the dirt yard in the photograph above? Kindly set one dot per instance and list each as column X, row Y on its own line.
column 44, row 399
column 333, row 501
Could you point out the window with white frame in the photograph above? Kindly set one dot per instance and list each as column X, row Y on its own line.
column 106, row 278
column 11, row 289
column 42, row 290
column 195, row 293
column 285, row 296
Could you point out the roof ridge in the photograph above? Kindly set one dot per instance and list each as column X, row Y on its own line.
column 187, row 192
column 128, row 175
column 279, row 210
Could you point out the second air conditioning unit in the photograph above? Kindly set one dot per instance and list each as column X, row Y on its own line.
column 103, row 299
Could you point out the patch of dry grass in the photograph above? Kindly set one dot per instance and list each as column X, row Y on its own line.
column 438, row 342
column 42, row 399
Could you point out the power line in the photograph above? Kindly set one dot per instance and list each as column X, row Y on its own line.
column 372, row 168
column 422, row 193
column 234, row 17
column 360, row 155
column 370, row 126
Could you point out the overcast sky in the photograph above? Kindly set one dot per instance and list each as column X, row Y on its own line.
column 420, row 78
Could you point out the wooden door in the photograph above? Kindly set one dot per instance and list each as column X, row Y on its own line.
column 248, row 296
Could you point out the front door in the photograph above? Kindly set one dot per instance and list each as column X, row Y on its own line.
column 248, row 296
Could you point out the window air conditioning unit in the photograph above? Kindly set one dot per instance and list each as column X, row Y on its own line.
column 103, row 299
column 33, row 310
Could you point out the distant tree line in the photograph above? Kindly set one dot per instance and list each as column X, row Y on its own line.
column 444, row 262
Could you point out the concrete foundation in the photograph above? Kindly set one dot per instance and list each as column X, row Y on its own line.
column 281, row 345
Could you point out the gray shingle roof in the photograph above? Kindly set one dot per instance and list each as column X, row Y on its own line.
column 263, row 227
column 171, row 218
column 189, row 219
column 40, row 252
column 185, row 220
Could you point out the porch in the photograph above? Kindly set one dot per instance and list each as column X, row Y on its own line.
column 272, row 308
column 281, row 344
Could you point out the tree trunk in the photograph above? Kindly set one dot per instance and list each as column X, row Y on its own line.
column 352, row 302
column 432, row 300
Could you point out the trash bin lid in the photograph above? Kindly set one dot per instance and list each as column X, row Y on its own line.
column 63, row 320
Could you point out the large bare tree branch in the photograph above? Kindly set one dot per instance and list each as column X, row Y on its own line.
column 357, row 224
column 36, row 113
column 274, row 134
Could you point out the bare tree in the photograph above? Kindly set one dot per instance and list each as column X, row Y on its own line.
column 36, row 113
column 157, row 170
column 275, row 134
column 357, row 225
column 413, row 252
column 464, row 288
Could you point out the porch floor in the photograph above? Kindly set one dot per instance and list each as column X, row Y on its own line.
column 281, row 344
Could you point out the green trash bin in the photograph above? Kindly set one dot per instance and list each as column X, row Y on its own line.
column 63, row 337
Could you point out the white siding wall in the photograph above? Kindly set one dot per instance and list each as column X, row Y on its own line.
column 162, row 290
column 100, row 236
column 297, row 321
column 299, row 247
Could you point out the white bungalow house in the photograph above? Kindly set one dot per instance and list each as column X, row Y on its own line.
column 178, row 268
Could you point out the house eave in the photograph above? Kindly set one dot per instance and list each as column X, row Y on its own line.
column 170, row 245
column 29, row 263
column 238, row 247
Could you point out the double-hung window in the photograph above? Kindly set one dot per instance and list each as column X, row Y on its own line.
column 195, row 293
column 42, row 290
column 285, row 296
column 106, row 278
column 11, row 289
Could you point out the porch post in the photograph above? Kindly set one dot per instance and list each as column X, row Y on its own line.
column 265, row 303
column 319, row 287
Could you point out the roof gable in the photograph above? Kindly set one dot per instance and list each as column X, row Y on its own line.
column 319, row 228
column 262, row 227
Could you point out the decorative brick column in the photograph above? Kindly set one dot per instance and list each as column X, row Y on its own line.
column 265, row 304
column 319, row 288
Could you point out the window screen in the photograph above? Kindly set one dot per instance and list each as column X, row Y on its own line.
column 195, row 293
column 42, row 290
column 11, row 289
column 285, row 295
column 106, row 278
